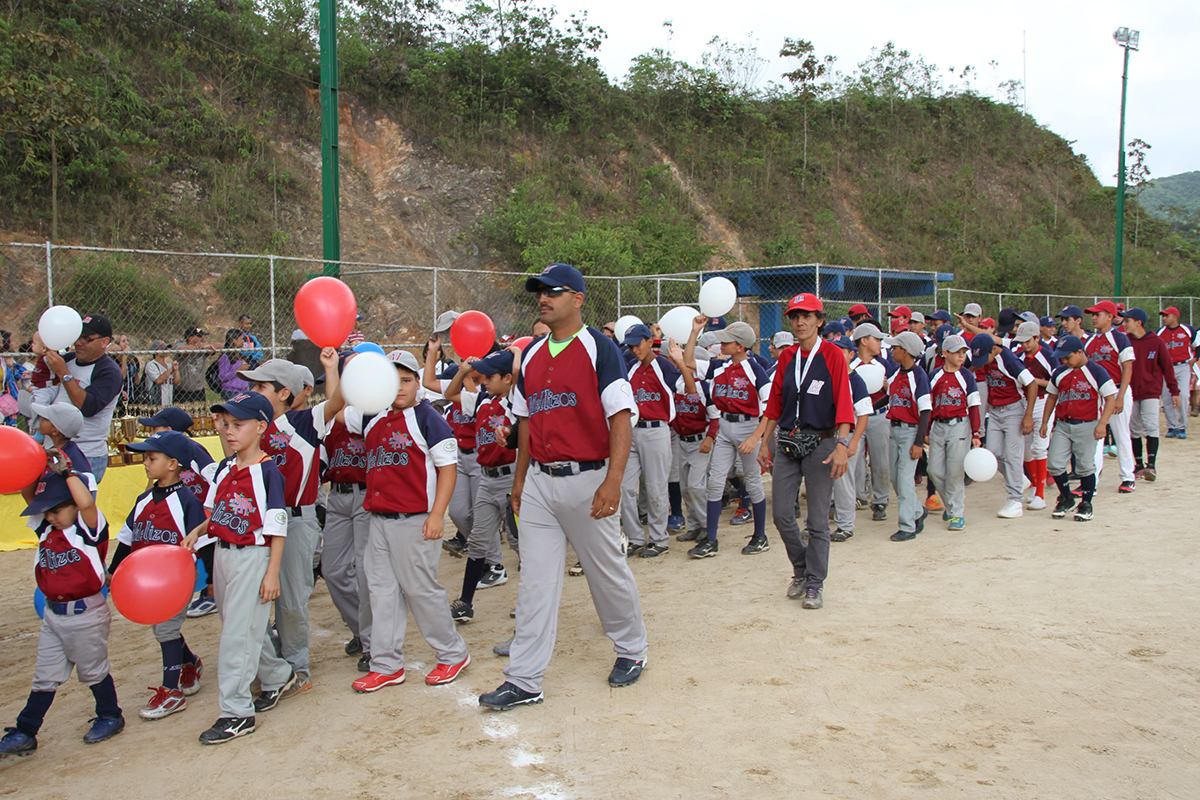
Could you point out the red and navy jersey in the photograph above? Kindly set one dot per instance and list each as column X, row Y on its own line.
column 811, row 389
column 860, row 397
column 404, row 450
column 1179, row 341
column 1081, row 391
column 70, row 562
column 953, row 394
column 1040, row 365
column 79, row 463
column 246, row 504
column 741, row 388
column 162, row 515
column 462, row 423
column 292, row 441
column 908, row 395
column 1110, row 350
column 345, row 455
column 491, row 414
column 879, row 400
column 694, row 413
column 569, row 397
column 194, row 472
column 1006, row 377
column 652, row 388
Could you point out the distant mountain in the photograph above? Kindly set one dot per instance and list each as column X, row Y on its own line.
column 1181, row 190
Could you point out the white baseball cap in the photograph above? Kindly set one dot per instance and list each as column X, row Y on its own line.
column 783, row 339
column 917, row 316
column 972, row 310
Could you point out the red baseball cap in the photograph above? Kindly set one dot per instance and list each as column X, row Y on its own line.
column 857, row 308
column 987, row 322
column 1170, row 310
column 807, row 302
column 901, row 311
column 1104, row 305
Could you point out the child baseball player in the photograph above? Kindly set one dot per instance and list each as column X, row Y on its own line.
column 1077, row 392
column 1039, row 360
column 411, row 469
column 1110, row 348
column 845, row 491
column 1152, row 368
column 250, row 522
column 1011, row 397
column 868, row 339
column 909, row 408
column 696, row 425
column 165, row 514
column 1180, row 341
column 954, row 429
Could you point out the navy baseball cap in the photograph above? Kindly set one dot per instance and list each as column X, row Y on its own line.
column 941, row 333
column 716, row 324
column 555, row 276
column 170, row 443
column 835, row 327
column 1135, row 313
column 96, row 325
column 51, row 491
column 175, row 418
column 1066, row 346
column 844, row 342
column 635, row 334
column 1070, row 311
column 248, row 405
column 1006, row 321
column 941, row 315
column 846, row 322
column 1047, row 322
column 498, row 363
column 981, row 348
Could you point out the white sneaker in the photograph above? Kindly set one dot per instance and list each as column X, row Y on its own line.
column 1037, row 503
column 1026, row 485
column 1012, row 509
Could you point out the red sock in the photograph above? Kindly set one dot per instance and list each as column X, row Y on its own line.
column 1040, row 481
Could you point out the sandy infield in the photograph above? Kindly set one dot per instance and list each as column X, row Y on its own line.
column 1020, row 658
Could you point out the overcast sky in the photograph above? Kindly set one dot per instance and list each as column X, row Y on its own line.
column 1072, row 66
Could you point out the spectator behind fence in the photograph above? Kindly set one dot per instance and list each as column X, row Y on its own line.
column 131, row 368
column 192, row 362
column 229, row 364
column 10, row 380
column 91, row 380
column 161, row 376
column 254, row 351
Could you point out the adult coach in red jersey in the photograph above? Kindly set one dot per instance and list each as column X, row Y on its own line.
column 810, row 396
column 573, row 404
column 1179, row 341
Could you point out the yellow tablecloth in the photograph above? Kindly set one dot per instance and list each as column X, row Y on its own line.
column 118, row 492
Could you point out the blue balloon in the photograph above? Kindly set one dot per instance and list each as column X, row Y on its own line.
column 39, row 602
column 201, row 575
column 369, row 347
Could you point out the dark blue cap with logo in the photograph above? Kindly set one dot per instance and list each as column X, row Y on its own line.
column 248, row 405
column 1135, row 313
column 1070, row 311
column 835, row 327
column 172, row 444
column 941, row 315
column 556, row 276
column 635, row 334
column 844, row 342
column 1066, row 346
column 174, row 418
column 716, row 324
column 941, row 333
column 1047, row 322
column 981, row 348
column 51, row 491
column 498, row 363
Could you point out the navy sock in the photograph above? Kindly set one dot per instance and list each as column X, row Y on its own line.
column 739, row 486
column 1151, row 451
column 172, row 654
column 1137, row 452
column 714, row 517
column 760, row 518
column 476, row 568
column 188, row 656
column 1064, row 485
column 29, row 721
column 1087, row 484
column 675, row 495
column 106, row 698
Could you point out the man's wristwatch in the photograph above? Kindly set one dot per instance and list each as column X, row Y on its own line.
column 844, row 440
column 66, row 378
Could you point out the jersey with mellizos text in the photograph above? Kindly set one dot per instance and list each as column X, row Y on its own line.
column 70, row 563
column 1040, row 365
column 1005, row 376
column 345, row 455
column 652, row 385
column 1180, row 342
column 1081, row 391
column 1109, row 350
column 161, row 515
column 568, row 398
column 694, row 413
column 908, row 395
column 492, row 414
column 292, row 441
column 246, row 504
column 404, row 450
column 741, row 388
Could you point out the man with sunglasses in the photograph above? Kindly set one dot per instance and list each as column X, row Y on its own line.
column 90, row 380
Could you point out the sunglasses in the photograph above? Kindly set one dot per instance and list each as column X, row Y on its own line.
column 89, row 339
column 553, row 291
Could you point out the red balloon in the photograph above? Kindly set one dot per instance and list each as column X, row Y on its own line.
column 154, row 583
column 22, row 462
column 523, row 341
column 326, row 311
column 472, row 334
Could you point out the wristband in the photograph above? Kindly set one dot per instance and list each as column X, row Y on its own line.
column 844, row 441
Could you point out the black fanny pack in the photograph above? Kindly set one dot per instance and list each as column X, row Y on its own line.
column 798, row 445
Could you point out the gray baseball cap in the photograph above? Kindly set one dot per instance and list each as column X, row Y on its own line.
column 444, row 321
column 706, row 340
column 907, row 340
column 277, row 370
column 405, row 360
column 865, row 329
column 306, row 376
column 972, row 310
column 64, row 416
column 917, row 316
column 1027, row 331
column 783, row 339
column 739, row 332
column 953, row 343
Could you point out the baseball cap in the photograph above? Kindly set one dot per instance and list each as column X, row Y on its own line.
column 901, row 311
column 835, row 327
column 1070, row 311
column 64, row 416
column 981, row 348
column 942, row 315
column 405, row 360
column 844, row 342
column 907, row 340
column 96, row 325
column 783, row 339
column 716, row 324
column 1047, row 322
column 953, row 343
column 192, row 330
column 707, row 339
column 1104, row 305
column 846, row 323
column 278, row 370
column 170, row 443
column 739, row 332
column 498, row 363
column 1169, row 310
column 556, row 275
column 972, row 310
column 987, row 322
column 175, row 418
column 805, row 302
column 1027, row 330
column 306, row 376
column 1006, row 321
column 866, row 329
column 1028, row 316
column 444, row 321
column 159, row 345
column 917, row 316
column 635, row 333
column 52, row 490
column 857, row 308
column 247, row 405
column 943, row 332
column 299, row 336
column 1067, row 345
column 1136, row 313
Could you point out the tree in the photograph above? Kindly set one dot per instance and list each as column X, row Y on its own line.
column 804, row 81
column 1137, row 178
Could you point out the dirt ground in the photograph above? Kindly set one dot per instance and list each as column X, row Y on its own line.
column 1021, row 658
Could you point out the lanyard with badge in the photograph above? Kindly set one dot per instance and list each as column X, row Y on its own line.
column 793, row 443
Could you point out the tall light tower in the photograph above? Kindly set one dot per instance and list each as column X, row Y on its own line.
column 1124, row 37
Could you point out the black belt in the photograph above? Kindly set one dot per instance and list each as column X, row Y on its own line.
column 738, row 417
column 224, row 545
column 497, row 472
column 1067, row 421
column 952, row 420
column 651, row 423
column 467, row 450
column 297, row 511
column 347, row 488
column 564, row 468
column 898, row 424
column 692, row 438
column 70, row 608
column 397, row 514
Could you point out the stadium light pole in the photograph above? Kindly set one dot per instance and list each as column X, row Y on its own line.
column 330, row 182
column 1128, row 39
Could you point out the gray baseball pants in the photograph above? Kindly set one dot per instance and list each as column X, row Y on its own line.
column 725, row 453
column 1143, row 420
column 462, row 502
column 246, row 648
column 649, row 461
column 347, row 526
column 296, row 585
column 693, row 481
column 1073, row 439
column 556, row 511
column 491, row 499
column 1178, row 420
column 1007, row 443
column 402, row 573
column 845, row 494
column 878, row 438
column 73, row 641
column 949, row 443
column 1119, row 425
column 903, row 470
column 809, row 561
column 172, row 629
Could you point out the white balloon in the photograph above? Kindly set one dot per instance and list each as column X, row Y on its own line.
column 980, row 464
column 370, row 382
column 59, row 327
column 872, row 375
column 624, row 324
column 677, row 324
column 717, row 297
